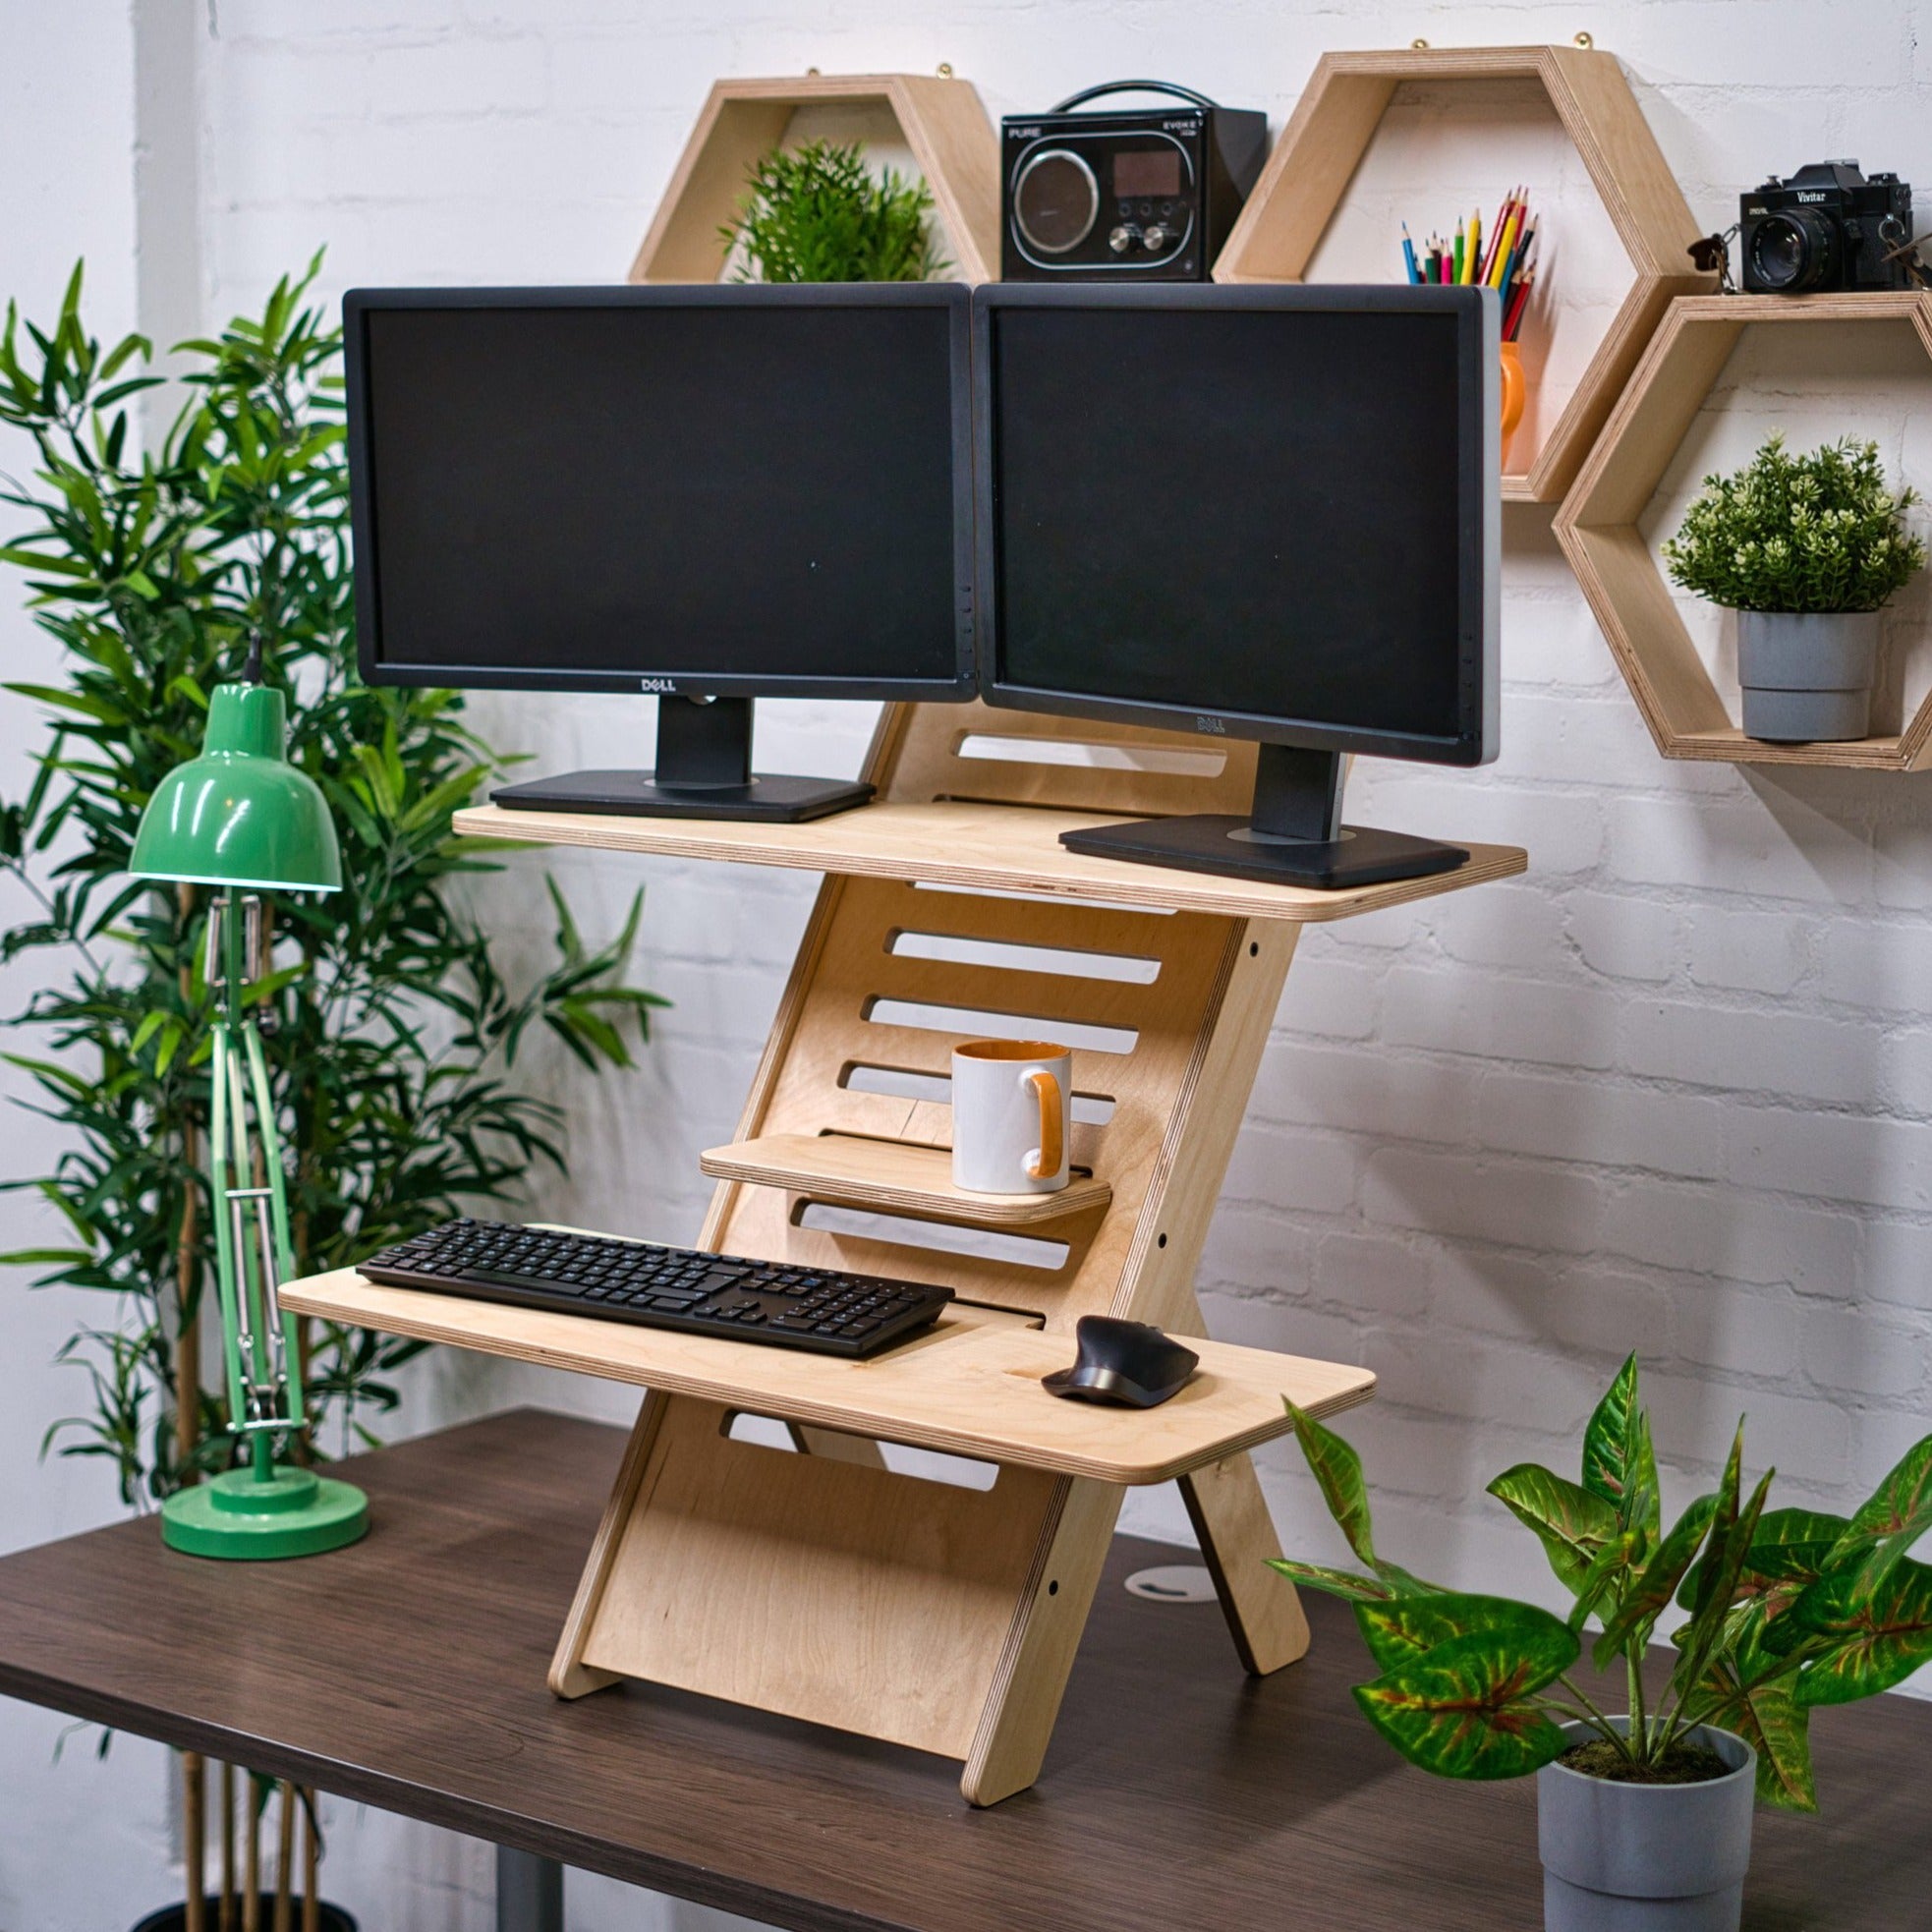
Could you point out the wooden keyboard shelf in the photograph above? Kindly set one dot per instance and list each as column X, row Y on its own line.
column 891, row 1177
column 999, row 848
column 970, row 1386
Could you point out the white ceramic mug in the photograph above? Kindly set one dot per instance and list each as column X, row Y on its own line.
column 1010, row 1101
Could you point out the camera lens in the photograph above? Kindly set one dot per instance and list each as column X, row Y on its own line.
column 1793, row 250
column 1055, row 201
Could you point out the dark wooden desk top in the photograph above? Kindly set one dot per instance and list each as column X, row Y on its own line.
column 407, row 1672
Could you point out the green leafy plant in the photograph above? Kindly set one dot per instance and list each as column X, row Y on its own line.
column 1819, row 532
column 1786, row 1610
column 818, row 214
column 392, row 1031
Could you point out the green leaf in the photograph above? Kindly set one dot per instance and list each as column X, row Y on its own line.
column 1732, row 1528
column 1343, row 1583
column 1607, row 1438
column 1777, row 1727
column 1650, row 1592
column 1898, row 1514
column 1400, row 1630
column 1466, row 1708
column 1338, row 1473
column 1875, row 1639
column 1571, row 1524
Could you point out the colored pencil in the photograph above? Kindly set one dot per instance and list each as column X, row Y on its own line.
column 1459, row 275
column 1408, row 256
column 1468, row 273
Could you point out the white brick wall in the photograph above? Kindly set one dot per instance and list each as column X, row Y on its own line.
column 1673, row 1091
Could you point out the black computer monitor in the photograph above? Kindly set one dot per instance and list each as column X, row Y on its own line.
column 1250, row 512
column 702, row 494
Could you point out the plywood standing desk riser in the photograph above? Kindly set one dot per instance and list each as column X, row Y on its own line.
column 816, row 1581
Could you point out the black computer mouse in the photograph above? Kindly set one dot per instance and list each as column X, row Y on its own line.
column 1130, row 1363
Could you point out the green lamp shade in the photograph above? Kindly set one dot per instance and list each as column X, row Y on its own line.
column 241, row 814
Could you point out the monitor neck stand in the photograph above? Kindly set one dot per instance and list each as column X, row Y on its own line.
column 1293, row 835
column 703, row 771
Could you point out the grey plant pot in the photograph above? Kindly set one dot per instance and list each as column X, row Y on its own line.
column 1646, row 1857
column 1807, row 674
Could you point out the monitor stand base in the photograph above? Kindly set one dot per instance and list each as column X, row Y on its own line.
column 1361, row 856
column 1293, row 835
column 703, row 772
column 766, row 799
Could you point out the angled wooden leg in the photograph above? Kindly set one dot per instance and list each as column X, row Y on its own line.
column 570, row 1675
column 1024, row 1698
column 1229, row 1515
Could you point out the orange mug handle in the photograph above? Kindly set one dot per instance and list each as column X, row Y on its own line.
column 1052, row 1125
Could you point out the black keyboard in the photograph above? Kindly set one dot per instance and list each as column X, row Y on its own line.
column 816, row 1307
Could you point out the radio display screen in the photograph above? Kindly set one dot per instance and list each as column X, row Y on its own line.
column 1147, row 171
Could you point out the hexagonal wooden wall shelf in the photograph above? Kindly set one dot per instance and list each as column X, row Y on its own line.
column 1598, row 527
column 953, row 142
column 1335, row 120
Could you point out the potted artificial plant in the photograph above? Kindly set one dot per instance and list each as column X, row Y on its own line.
column 1644, row 1817
column 1806, row 549
column 816, row 213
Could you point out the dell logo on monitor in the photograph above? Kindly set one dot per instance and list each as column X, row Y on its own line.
column 667, row 687
column 1211, row 724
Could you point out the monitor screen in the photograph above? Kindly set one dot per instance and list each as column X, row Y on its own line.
column 1272, row 512
column 698, row 490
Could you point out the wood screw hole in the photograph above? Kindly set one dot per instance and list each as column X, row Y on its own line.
column 1161, row 1242
column 1052, row 1589
column 1254, row 948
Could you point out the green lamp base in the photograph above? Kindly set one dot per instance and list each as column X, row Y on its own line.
column 243, row 1515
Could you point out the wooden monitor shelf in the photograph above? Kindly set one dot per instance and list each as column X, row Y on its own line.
column 981, row 847
column 892, row 1176
column 969, row 1387
column 826, row 1585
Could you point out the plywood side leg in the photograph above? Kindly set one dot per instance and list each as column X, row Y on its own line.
column 1264, row 1613
column 1023, row 1701
column 570, row 1675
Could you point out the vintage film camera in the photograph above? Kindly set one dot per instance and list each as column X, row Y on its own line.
column 1827, row 228
column 1146, row 194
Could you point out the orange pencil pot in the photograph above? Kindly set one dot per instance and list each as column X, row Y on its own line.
column 1513, row 389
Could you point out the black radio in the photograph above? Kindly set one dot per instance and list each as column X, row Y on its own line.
column 1148, row 193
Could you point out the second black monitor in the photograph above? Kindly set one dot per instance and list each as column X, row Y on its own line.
column 1260, row 512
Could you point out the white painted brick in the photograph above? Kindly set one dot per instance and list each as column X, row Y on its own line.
column 1862, row 963
column 1610, row 1122
column 1841, row 1156
column 1737, row 848
column 1514, row 925
column 1371, row 1274
column 1768, row 1050
column 465, row 75
column 1750, row 952
column 1693, row 1419
column 1333, row 997
column 1516, row 1203
column 1734, row 1330
column 1625, row 935
column 1281, row 1167
column 1400, row 1095
column 1256, row 1249
column 1857, row 1351
column 1459, row 1012
column 1711, row 1229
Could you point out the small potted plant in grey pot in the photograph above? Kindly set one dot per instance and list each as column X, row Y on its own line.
column 1806, row 549
column 1644, row 1817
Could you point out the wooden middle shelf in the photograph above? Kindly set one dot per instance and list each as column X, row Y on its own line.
column 969, row 1387
column 1011, row 848
column 891, row 1177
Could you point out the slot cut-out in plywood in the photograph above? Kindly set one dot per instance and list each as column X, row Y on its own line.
column 892, row 1176
column 951, row 143
column 1602, row 525
column 1089, row 1109
column 1430, row 134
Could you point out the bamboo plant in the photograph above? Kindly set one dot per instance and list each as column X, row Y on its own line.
column 1786, row 1609
column 818, row 214
column 393, row 1032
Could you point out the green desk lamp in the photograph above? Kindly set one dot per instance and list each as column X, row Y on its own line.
column 242, row 818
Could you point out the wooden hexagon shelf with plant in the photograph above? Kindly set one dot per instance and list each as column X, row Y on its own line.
column 1578, row 345
column 1602, row 529
column 939, row 119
